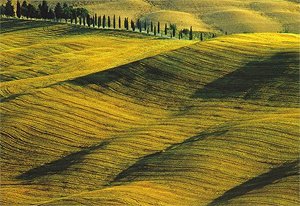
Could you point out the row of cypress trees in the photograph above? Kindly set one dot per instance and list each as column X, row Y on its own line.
column 82, row 17
column 146, row 26
column 43, row 11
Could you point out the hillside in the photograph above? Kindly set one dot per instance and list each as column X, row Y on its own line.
column 219, row 15
column 36, row 53
column 176, row 123
column 241, row 15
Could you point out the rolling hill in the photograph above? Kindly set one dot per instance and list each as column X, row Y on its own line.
column 42, row 53
column 104, row 117
column 220, row 15
column 235, row 16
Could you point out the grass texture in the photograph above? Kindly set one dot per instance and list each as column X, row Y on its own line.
column 109, row 118
column 237, row 16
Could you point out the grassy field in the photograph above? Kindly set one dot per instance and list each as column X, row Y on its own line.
column 237, row 16
column 241, row 15
column 44, row 53
column 94, row 117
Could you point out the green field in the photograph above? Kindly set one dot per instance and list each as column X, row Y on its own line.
column 103, row 117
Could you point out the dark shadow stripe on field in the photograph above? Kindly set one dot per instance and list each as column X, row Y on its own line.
column 144, row 163
column 275, row 174
column 126, row 74
column 61, row 164
column 14, row 25
column 279, row 73
column 11, row 97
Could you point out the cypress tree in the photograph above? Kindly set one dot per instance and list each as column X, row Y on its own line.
column 9, row 9
column 99, row 21
column 18, row 9
column 88, row 20
column 191, row 34
column 51, row 14
column 132, row 25
column 154, row 30
column 44, row 9
column 139, row 25
column 166, row 29
column 24, row 9
column 75, row 16
column 58, row 11
column 67, row 13
column 96, row 20
column 2, row 10
column 31, row 11
column 201, row 36
column 119, row 22
column 104, row 21
column 127, row 23
column 158, row 27
column 114, row 22
column 174, row 30
column 28, row 10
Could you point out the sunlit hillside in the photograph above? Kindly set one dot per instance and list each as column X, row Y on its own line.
column 94, row 117
column 219, row 15
column 182, row 19
column 241, row 15
column 37, row 53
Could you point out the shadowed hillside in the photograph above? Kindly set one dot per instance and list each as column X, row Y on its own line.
column 265, row 78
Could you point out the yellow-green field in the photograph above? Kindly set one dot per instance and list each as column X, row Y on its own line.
column 101, row 117
column 43, row 53
column 236, row 16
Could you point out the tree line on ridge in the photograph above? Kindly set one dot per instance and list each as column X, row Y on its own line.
column 81, row 16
